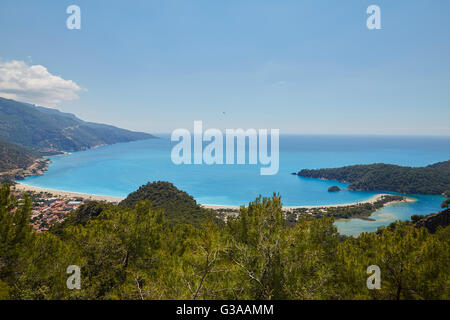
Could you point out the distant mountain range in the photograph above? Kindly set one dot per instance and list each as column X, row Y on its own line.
column 27, row 132
column 49, row 131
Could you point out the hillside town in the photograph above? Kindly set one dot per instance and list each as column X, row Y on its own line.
column 49, row 209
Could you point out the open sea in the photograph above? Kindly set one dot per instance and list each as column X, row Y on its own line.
column 119, row 169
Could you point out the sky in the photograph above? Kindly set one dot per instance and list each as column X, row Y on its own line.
column 299, row 66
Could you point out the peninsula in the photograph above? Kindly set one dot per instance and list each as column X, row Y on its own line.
column 432, row 179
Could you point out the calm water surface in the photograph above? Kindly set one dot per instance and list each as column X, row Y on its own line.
column 119, row 169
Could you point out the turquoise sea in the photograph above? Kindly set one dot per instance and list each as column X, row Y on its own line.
column 119, row 169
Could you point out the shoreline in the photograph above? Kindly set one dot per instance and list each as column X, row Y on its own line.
column 69, row 194
column 37, row 168
column 373, row 199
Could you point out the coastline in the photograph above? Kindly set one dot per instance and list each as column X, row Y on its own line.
column 69, row 194
column 37, row 168
column 373, row 199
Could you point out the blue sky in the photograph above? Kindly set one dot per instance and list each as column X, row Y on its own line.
column 300, row 66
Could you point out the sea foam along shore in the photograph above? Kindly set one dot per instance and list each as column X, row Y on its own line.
column 69, row 194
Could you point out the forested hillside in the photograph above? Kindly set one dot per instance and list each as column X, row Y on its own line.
column 135, row 253
column 50, row 131
column 15, row 161
column 178, row 206
column 14, row 157
column 445, row 165
column 433, row 179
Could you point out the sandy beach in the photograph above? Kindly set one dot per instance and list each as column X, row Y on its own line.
column 67, row 194
column 373, row 199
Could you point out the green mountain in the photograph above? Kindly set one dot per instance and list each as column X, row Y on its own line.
column 50, row 131
column 178, row 206
column 433, row 179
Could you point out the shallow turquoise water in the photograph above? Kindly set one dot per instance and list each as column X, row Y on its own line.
column 119, row 169
column 391, row 213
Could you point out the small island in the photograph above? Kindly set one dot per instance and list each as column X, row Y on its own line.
column 334, row 189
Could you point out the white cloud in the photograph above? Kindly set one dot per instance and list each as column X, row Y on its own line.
column 34, row 84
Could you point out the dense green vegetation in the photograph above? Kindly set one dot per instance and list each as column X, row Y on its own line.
column 433, row 179
column 433, row 221
column 360, row 210
column 81, row 216
column 14, row 157
column 334, row 189
column 49, row 131
column 132, row 252
column 445, row 204
column 417, row 217
column 441, row 165
column 177, row 205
